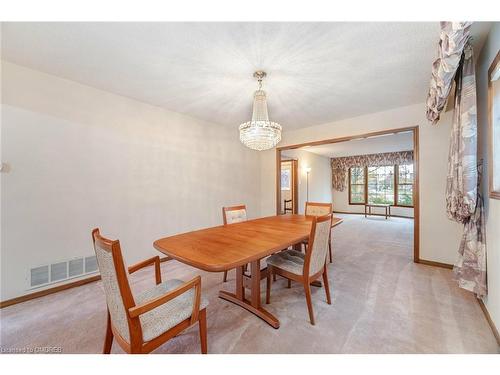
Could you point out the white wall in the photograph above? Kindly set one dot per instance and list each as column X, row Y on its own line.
column 320, row 177
column 82, row 158
column 439, row 237
column 488, row 53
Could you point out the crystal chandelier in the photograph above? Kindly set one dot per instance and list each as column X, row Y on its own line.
column 260, row 133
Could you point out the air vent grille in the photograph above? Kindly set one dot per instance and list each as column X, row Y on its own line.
column 75, row 267
column 90, row 264
column 59, row 271
column 39, row 276
column 56, row 272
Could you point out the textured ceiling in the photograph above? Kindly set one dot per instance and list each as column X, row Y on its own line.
column 363, row 146
column 317, row 72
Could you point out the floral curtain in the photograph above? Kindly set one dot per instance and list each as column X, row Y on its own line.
column 470, row 268
column 463, row 201
column 341, row 165
column 461, row 184
column 454, row 36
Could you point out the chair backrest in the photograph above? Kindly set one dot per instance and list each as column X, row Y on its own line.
column 318, row 244
column 234, row 214
column 115, row 282
column 318, row 209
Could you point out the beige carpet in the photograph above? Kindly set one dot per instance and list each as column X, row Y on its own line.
column 382, row 303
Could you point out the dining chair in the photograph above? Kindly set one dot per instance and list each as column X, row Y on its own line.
column 320, row 209
column 232, row 215
column 143, row 322
column 304, row 268
column 286, row 207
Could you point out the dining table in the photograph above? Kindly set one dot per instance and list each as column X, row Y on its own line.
column 234, row 246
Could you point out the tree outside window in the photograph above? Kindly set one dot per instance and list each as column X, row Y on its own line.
column 357, row 185
column 381, row 185
column 405, row 184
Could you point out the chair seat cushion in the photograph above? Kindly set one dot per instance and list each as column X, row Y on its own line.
column 168, row 315
column 288, row 260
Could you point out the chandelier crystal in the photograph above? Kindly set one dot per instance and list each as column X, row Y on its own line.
column 260, row 133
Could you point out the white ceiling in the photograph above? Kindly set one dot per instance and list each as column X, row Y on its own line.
column 363, row 146
column 317, row 72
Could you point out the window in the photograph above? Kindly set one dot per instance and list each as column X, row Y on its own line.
column 357, row 185
column 404, row 175
column 494, row 122
column 381, row 185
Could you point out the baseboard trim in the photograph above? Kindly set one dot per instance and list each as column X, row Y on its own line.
column 489, row 320
column 46, row 292
column 362, row 213
column 435, row 264
column 59, row 288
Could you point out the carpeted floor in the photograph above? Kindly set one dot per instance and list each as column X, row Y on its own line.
column 382, row 303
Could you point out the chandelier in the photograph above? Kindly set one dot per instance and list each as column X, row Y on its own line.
column 260, row 133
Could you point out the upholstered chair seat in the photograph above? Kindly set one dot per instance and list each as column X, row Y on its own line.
column 288, row 260
column 168, row 315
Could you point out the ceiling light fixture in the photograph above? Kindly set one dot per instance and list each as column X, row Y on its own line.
column 260, row 133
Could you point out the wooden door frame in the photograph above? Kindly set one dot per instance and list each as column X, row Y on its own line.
column 294, row 184
column 416, row 190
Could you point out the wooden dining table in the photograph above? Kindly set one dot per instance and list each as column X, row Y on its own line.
column 234, row 246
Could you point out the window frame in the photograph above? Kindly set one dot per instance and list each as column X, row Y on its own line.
column 393, row 184
column 494, row 128
column 396, row 185
column 396, row 188
column 365, row 191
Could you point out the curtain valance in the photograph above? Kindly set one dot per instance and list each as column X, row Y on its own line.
column 342, row 164
column 453, row 38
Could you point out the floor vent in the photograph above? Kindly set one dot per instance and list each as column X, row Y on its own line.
column 60, row 271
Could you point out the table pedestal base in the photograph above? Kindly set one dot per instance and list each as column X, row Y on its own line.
column 254, row 305
column 259, row 311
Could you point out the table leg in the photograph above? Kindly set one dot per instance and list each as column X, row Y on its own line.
column 240, row 288
column 255, row 295
column 254, row 305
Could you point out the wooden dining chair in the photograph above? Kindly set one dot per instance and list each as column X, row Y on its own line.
column 320, row 209
column 143, row 322
column 304, row 268
column 232, row 215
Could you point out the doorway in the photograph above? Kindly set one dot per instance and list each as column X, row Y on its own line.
column 413, row 146
column 288, row 186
